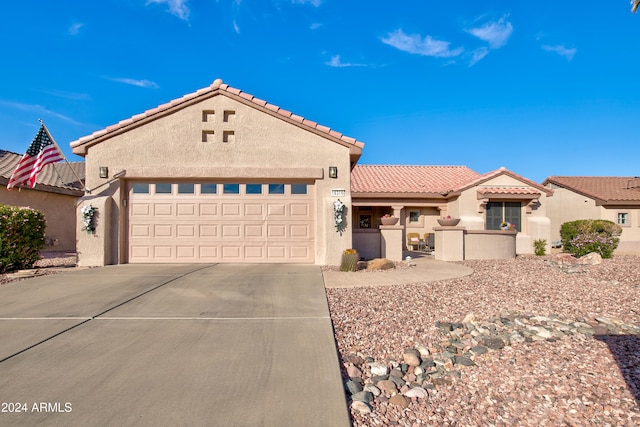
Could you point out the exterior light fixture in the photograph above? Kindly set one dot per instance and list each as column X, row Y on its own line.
column 333, row 171
column 104, row 172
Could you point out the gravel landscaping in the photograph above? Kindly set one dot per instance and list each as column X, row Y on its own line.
column 527, row 342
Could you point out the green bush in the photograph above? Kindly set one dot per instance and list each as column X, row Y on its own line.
column 540, row 247
column 590, row 235
column 21, row 237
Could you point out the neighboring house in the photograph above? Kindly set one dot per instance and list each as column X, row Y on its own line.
column 614, row 198
column 56, row 194
column 420, row 195
column 221, row 176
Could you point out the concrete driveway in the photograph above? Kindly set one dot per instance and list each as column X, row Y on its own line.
column 214, row 345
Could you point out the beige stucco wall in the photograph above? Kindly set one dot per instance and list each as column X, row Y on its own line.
column 261, row 146
column 567, row 205
column 535, row 225
column 59, row 211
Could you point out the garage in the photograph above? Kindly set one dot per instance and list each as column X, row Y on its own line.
column 206, row 221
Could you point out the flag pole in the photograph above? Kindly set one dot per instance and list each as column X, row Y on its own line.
column 65, row 157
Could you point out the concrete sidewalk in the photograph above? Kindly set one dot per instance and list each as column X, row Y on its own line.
column 425, row 269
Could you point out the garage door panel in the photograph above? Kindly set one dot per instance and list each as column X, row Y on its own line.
column 140, row 209
column 186, row 230
column 231, row 209
column 213, row 227
column 186, row 209
column 208, row 209
column 163, row 209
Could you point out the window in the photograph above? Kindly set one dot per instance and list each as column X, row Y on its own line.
column 623, row 218
column 140, row 188
column 186, row 188
column 208, row 188
column 276, row 188
column 365, row 221
column 298, row 188
column 414, row 217
column 497, row 212
column 163, row 188
column 231, row 188
column 254, row 188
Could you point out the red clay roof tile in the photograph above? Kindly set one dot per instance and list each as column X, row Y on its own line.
column 606, row 188
column 409, row 179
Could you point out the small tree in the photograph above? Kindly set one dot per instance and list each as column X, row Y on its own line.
column 590, row 235
column 21, row 237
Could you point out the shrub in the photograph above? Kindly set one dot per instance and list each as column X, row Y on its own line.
column 21, row 237
column 540, row 247
column 590, row 235
column 349, row 260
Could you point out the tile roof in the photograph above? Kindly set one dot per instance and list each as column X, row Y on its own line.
column 507, row 190
column 605, row 189
column 503, row 171
column 216, row 88
column 54, row 177
column 409, row 179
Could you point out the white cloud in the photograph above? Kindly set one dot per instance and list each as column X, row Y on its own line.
column 315, row 3
column 133, row 82
column 337, row 63
column 235, row 27
column 496, row 33
column 177, row 8
column 561, row 50
column 415, row 44
column 477, row 55
column 315, row 25
column 74, row 29
column 69, row 95
column 37, row 109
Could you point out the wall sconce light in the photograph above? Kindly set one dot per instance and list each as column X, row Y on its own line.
column 333, row 171
column 104, row 172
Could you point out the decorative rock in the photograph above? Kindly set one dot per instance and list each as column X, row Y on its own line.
column 464, row 361
column 398, row 381
column 353, row 371
column 592, row 258
column 360, row 407
column 379, row 369
column 353, row 387
column 363, row 396
column 399, row 400
column 353, row 358
column 418, row 392
column 424, row 351
column 396, row 373
column 387, row 386
column 380, row 264
column 372, row 389
column 411, row 357
column 493, row 343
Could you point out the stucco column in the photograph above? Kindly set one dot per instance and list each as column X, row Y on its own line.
column 397, row 211
column 391, row 242
column 449, row 243
column 94, row 249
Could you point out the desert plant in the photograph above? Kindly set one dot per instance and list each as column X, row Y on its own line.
column 590, row 235
column 540, row 247
column 349, row 260
column 21, row 237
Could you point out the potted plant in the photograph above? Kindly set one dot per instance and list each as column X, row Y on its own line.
column 388, row 219
column 447, row 221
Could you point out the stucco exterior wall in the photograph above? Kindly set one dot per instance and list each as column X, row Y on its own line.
column 567, row 205
column 535, row 224
column 59, row 211
column 224, row 139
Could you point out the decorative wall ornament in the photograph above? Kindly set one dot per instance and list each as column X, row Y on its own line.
column 88, row 221
column 339, row 212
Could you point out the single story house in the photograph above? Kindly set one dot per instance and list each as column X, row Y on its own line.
column 219, row 175
column 56, row 194
column 614, row 198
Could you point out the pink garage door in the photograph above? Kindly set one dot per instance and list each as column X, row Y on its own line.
column 221, row 222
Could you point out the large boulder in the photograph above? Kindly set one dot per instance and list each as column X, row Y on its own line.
column 380, row 264
column 592, row 258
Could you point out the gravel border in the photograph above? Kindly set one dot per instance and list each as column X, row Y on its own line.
column 574, row 380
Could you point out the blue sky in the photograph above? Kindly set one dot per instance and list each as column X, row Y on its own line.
column 542, row 88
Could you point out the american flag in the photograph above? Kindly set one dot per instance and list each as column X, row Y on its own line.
column 41, row 152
